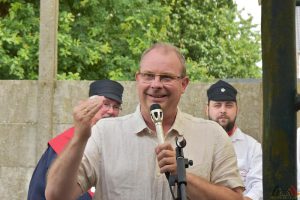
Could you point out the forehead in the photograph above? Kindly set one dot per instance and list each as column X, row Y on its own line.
column 161, row 60
column 110, row 101
column 222, row 102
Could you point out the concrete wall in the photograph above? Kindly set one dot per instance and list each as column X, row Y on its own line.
column 21, row 143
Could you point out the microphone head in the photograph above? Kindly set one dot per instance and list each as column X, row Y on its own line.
column 156, row 113
column 154, row 106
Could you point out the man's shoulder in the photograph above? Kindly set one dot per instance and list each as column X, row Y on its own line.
column 192, row 118
column 247, row 137
column 207, row 127
column 119, row 119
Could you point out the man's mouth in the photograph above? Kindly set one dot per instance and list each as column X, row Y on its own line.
column 157, row 96
column 222, row 118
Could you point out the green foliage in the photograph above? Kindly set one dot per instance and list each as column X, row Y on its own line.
column 215, row 38
column 68, row 76
column 19, row 34
column 104, row 39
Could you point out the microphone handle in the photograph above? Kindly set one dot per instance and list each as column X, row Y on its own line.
column 159, row 133
column 161, row 140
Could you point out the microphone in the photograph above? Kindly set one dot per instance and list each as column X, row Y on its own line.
column 157, row 118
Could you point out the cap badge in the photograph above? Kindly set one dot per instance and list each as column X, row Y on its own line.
column 223, row 90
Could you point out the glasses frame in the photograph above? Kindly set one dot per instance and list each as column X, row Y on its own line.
column 114, row 107
column 163, row 78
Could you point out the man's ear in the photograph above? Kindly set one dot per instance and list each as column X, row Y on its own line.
column 206, row 110
column 185, row 82
column 136, row 76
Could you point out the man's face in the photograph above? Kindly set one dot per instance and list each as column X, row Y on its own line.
column 158, row 89
column 110, row 108
column 222, row 112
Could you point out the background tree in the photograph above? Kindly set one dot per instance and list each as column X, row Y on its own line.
column 104, row 39
column 19, row 34
column 217, row 41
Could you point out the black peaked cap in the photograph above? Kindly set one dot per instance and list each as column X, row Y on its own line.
column 108, row 88
column 221, row 91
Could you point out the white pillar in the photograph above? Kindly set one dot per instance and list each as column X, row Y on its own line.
column 47, row 72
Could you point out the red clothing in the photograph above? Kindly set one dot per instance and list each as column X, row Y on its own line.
column 232, row 130
column 59, row 142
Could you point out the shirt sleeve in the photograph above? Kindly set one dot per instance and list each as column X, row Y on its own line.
column 90, row 163
column 253, row 180
column 225, row 170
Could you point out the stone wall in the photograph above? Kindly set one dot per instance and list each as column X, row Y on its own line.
column 22, row 144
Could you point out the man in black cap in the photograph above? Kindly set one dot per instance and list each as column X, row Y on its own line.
column 222, row 108
column 111, row 96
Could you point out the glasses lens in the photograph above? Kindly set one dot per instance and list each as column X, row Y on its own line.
column 108, row 106
column 164, row 78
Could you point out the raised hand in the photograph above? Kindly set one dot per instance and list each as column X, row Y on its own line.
column 83, row 114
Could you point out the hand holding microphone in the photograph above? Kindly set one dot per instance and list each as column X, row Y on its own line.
column 167, row 157
column 157, row 118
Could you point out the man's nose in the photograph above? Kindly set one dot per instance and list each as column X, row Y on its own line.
column 223, row 109
column 111, row 109
column 156, row 82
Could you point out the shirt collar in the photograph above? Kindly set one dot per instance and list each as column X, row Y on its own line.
column 140, row 125
column 178, row 125
column 142, row 128
column 237, row 135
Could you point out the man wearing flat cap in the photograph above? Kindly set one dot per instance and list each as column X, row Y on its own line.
column 111, row 96
column 222, row 108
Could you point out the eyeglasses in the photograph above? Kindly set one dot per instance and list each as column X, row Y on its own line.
column 148, row 77
column 108, row 106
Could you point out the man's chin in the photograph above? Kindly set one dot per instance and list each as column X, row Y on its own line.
column 223, row 123
column 161, row 103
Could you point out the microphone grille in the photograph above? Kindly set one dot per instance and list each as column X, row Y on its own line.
column 155, row 106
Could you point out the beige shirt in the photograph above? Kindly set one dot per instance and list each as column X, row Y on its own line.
column 120, row 158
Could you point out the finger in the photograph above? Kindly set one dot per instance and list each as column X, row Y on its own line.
column 166, row 157
column 166, row 161
column 92, row 107
column 165, row 153
column 167, row 165
column 86, row 109
column 164, row 146
column 168, row 169
column 93, row 101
